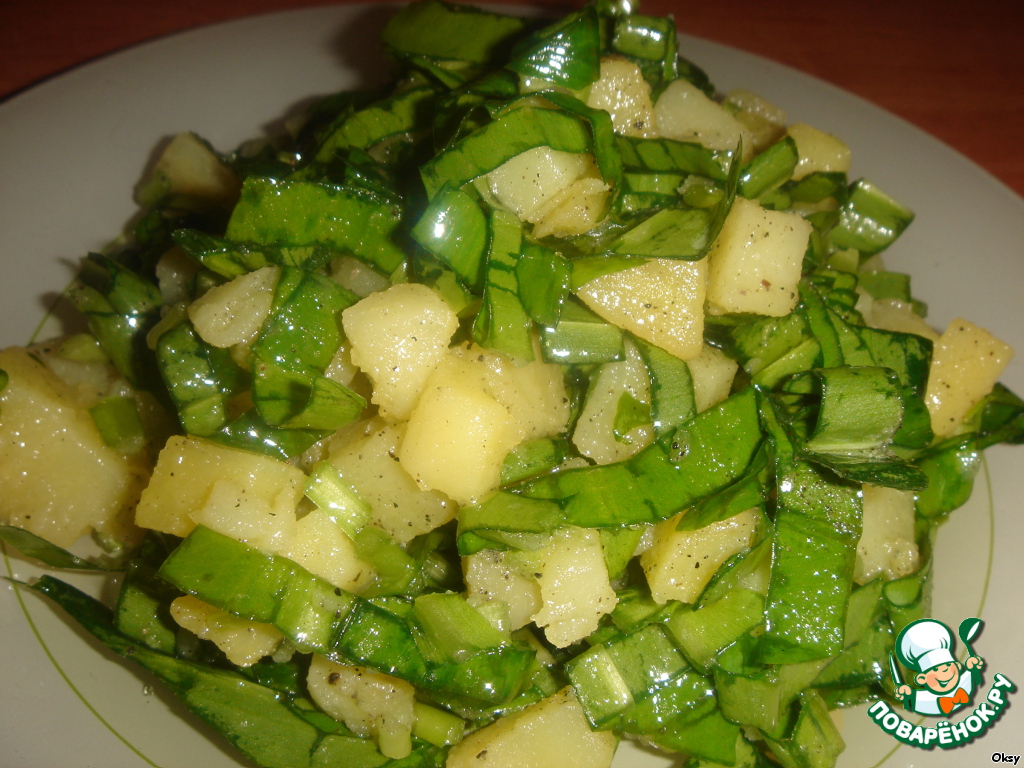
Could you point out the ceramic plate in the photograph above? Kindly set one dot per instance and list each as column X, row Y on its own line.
column 72, row 149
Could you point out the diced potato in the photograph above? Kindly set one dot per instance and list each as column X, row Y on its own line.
column 574, row 586
column 684, row 113
column 887, row 546
column 370, row 704
column 457, row 437
column 530, row 179
column 553, row 733
column 622, row 92
column 323, row 549
column 189, row 175
column 398, row 337
column 175, row 271
column 819, row 151
column 495, row 576
column 368, row 462
column 234, row 312
column 187, row 470
column 243, row 642
column 59, row 479
column 230, row 509
column 712, row 373
column 765, row 121
column 572, row 211
column 594, row 435
column 966, row 363
column 661, row 301
column 896, row 315
column 681, row 563
column 350, row 273
column 534, row 394
column 754, row 265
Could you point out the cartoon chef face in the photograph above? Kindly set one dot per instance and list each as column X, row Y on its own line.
column 941, row 678
column 926, row 645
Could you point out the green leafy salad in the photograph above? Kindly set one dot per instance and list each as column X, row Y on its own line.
column 544, row 398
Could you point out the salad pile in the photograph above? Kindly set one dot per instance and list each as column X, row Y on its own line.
column 544, row 398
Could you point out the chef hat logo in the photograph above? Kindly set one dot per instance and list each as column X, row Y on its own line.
column 924, row 644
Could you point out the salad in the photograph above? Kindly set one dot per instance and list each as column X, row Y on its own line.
column 541, row 465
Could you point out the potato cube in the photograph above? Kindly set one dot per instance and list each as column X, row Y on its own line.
column 368, row 462
column 243, row 642
column 661, row 301
column 370, row 704
column 754, row 265
column 495, row 576
column 887, row 546
column 59, row 478
column 622, row 92
column 323, row 549
column 398, row 337
column 573, row 211
column 553, row 733
column 819, row 151
column 681, row 563
column 896, row 315
column 530, row 179
column 574, row 586
column 457, row 437
column 966, row 363
column 257, row 521
column 712, row 373
column 187, row 470
column 684, row 113
column 234, row 312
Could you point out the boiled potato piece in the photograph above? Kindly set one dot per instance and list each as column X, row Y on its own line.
column 265, row 523
column 187, row 470
column 572, row 211
column 661, row 301
column 765, row 121
column 458, row 435
column 323, row 549
column 190, row 175
column 59, row 479
column 243, row 642
column 754, row 264
column 594, row 435
column 887, row 546
column 495, row 576
column 398, row 337
column 621, row 91
column 530, row 179
column 175, row 273
column 553, row 733
column 368, row 462
column 352, row 275
column 712, row 373
column 819, row 151
column 370, row 704
column 681, row 563
column 234, row 312
column 896, row 315
column 966, row 363
column 574, row 587
column 684, row 113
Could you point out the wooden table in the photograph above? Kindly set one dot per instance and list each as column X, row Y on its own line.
column 952, row 68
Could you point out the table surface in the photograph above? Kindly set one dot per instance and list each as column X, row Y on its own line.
column 953, row 69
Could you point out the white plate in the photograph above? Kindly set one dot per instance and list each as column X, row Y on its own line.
column 72, row 149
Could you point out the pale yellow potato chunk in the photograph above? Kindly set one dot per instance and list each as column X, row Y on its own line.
column 574, row 586
column 765, row 121
column 370, row 704
column 661, row 301
column 189, row 172
column 496, row 576
column 323, row 549
column 267, row 523
column 527, row 181
column 243, row 642
column 594, row 435
column 966, row 363
column 457, row 438
column 887, row 546
column 712, row 372
column 896, row 315
column 572, row 211
column 621, row 91
column 681, row 563
column 368, row 462
column 234, row 312
column 398, row 337
column 819, row 151
column 187, row 470
column 59, row 479
column 351, row 274
column 754, row 264
column 684, row 113
column 175, row 271
column 553, row 733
